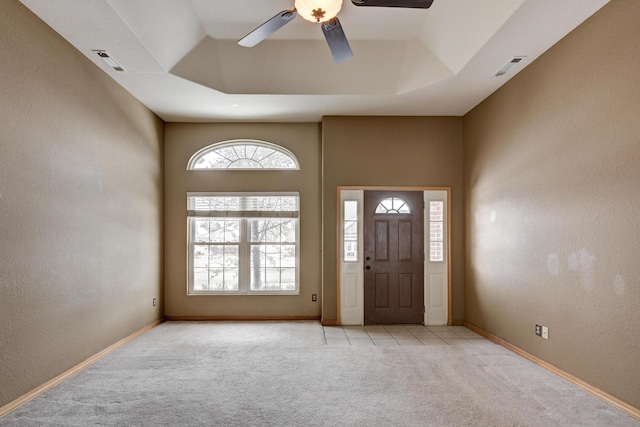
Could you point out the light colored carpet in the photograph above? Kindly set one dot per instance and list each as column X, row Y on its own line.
column 283, row 374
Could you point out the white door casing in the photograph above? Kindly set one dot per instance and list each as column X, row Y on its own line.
column 351, row 270
column 351, row 263
column 436, row 299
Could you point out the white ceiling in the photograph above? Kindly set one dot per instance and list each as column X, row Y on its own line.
column 182, row 60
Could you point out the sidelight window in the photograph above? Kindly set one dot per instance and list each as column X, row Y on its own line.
column 350, row 230
column 436, row 231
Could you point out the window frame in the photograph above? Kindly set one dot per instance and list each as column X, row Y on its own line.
column 191, row 164
column 404, row 208
column 440, row 253
column 355, row 239
column 244, row 246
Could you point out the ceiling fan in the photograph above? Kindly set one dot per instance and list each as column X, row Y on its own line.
column 325, row 13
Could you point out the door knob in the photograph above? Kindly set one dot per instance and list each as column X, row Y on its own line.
column 368, row 267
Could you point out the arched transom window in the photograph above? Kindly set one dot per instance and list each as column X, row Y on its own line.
column 393, row 205
column 243, row 154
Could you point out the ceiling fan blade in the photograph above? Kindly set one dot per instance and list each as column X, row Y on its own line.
column 268, row 28
column 337, row 41
column 414, row 4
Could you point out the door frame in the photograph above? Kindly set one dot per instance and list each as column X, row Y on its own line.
column 339, row 248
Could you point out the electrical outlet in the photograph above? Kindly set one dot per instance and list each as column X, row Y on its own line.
column 155, row 302
column 314, row 297
column 545, row 332
column 538, row 330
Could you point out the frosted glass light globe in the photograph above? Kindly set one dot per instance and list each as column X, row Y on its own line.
column 318, row 10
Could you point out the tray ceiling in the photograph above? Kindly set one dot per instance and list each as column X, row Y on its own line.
column 182, row 61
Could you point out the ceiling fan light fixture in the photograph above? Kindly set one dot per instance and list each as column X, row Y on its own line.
column 318, row 10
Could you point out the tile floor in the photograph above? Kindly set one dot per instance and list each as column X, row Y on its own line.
column 399, row 335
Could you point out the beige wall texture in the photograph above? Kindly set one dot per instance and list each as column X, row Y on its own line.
column 552, row 168
column 391, row 151
column 80, row 206
column 548, row 232
column 182, row 141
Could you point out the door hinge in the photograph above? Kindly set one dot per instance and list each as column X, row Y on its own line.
column 424, row 309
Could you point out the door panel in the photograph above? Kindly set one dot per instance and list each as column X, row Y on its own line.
column 436, row 291
column 382, row 290
column 394, row 264
column 382, row 240
column 404, row 244
column 350, row 284
column 405, row 290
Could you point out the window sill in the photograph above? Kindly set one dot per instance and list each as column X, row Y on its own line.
column 242, row 294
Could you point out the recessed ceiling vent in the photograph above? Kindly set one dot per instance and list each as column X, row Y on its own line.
column 502, row 71
column 109, row 60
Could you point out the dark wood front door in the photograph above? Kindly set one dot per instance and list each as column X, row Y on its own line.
column 393, row 254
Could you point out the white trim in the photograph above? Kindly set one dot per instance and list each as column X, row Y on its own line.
column 352, row 272
column 436, row 269
column 349, row 271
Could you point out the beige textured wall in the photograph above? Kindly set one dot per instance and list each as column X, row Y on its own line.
column 182, row 141
column 552, row 168
column 391, row 151
column 80, row 206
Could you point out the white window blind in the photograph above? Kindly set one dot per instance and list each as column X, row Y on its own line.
column 243, row 205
